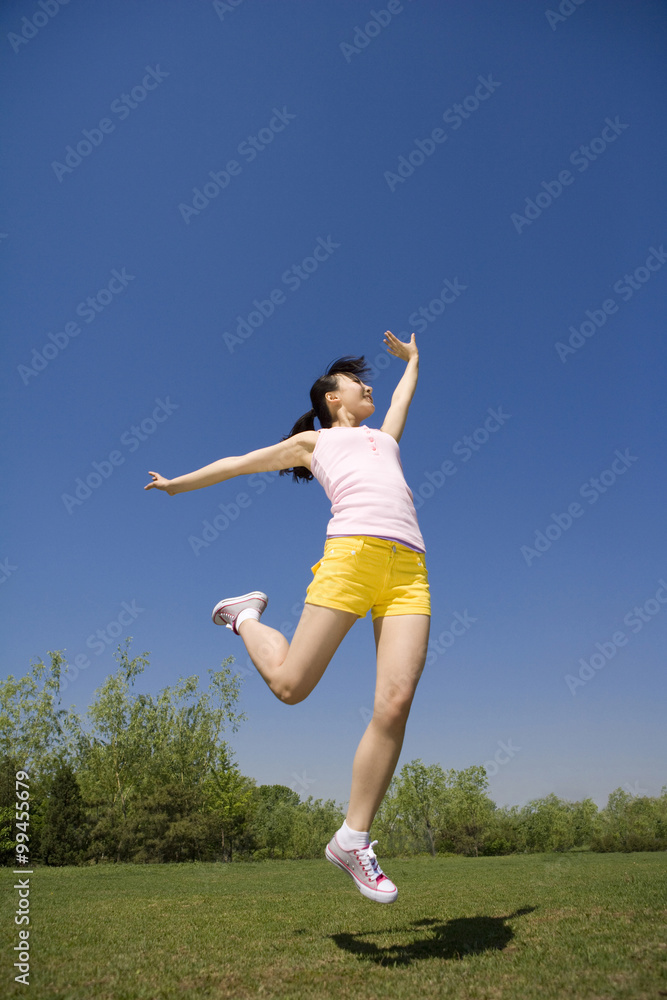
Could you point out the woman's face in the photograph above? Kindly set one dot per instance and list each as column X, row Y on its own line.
column 354, row 395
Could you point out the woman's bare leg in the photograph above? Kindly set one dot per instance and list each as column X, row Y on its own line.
column 401, row 642
column 293, row 669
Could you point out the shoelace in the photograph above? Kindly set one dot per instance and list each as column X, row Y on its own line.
column 367, row 858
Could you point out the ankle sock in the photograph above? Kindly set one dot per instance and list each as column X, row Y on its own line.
column 244, row 615
column 352, row 840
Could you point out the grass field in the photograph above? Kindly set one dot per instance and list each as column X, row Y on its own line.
column 532, row 926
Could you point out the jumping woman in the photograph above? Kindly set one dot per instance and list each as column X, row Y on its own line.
column 373, row 560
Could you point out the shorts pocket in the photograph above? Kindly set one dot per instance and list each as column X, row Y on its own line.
column 342, row 548
column 354, row 546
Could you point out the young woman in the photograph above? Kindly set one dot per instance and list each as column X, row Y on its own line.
column 373, row 560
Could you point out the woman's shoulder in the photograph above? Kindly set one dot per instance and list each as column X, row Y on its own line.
column 307, row 440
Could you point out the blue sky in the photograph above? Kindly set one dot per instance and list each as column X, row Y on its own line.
column 486, row 175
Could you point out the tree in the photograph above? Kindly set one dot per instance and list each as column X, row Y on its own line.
column 420, row 794
column 8, row 769
column 34, row 732
column 585, row 821
column 632, row 823
column 170, row 824
column 272, row 820
column 115, row 750
column 504, row 834
column 388, row 825
column 313, row 823
column 548, row 824
column 229, row 796
column 133, row 745
column 471, row 809
column 64, row 835
column 137, row 743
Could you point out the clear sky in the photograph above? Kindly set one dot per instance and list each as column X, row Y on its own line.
column 204, row 205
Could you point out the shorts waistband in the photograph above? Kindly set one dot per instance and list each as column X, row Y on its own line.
column 388, row 542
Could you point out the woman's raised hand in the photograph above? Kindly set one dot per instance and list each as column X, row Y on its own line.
column 159, row 482
column 399, row 349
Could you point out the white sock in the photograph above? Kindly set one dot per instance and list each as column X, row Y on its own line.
column 245, row 614
column 352, row 840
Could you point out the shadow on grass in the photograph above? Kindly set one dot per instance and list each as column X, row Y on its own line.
column 452, row 939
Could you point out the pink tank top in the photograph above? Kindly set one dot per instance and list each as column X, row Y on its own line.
column 361, row 472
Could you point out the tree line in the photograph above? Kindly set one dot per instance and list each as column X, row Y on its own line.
column 145, row 778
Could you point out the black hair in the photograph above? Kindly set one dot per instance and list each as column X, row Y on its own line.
column 355, row 368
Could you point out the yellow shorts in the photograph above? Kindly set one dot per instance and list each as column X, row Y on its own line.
column 358, row 573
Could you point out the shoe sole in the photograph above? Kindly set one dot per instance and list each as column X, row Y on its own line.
column 232, row 601
column 389, row 897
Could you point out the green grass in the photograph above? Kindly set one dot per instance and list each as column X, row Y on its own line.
column 531, row 926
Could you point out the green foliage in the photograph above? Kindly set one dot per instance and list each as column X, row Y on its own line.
column 137, row 743
column 388, row 826
column 428, row 809
column 230, row 797
column 632, row 824
column 547, row 825
column 421, row 801
column 470, row 811
column 169, row 825
column 34, row 732
column 314, row 823
column 65, row 835
column 271, row 823
column 8, row 771
column 150, row 778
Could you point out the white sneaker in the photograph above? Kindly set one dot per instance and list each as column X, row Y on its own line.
column 227, row 611
column 362, row 866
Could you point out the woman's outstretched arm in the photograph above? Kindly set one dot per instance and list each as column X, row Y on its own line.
column 397, row 413
column 294, row 451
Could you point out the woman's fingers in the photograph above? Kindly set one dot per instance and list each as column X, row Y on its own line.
column 156, row 480
column 398, row 347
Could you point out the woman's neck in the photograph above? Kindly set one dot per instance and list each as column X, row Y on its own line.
column 346, row 419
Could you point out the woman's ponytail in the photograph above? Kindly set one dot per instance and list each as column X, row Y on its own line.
column 304, row 423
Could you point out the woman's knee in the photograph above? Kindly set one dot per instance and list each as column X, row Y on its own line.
column 290, row 694
column 289, row 697
column 391, row 710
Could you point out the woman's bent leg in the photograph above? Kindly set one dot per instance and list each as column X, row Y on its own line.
column 401, row 642
column 293, row 669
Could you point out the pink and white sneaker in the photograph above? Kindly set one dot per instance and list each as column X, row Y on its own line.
column 227, row 611
column 362, row 866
